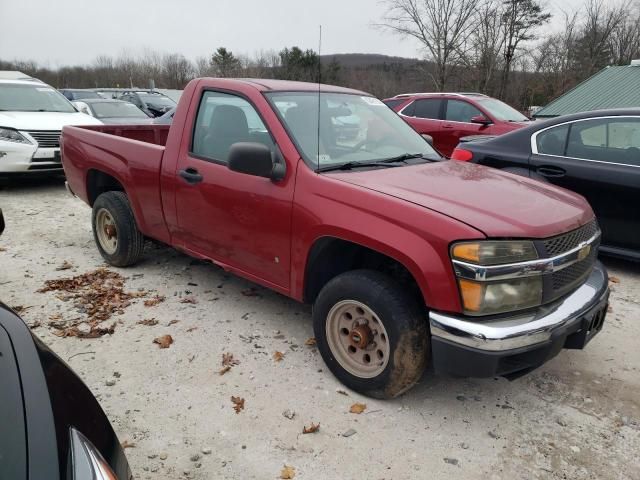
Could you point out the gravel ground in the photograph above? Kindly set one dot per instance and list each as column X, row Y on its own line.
column 576, row 417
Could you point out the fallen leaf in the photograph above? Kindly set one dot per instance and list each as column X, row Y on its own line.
column 278, row 356
column 153, row 301
column 95, row 331
column 313, row 428
column 224, row 370
column 189, row 300
column 19, row 309
column 613, row 279
column 609, row 309
column 99, row 293
column 342, row 392
column 228, row 360
column 310, row 342
column 288, row 472
column 238, row 404
column 164, row 341
column 358, row 408
column 250, row 292
column 127, row 444
column 172, row 322
column 65, row 266
column 149, row 322
column 2, row 249
column 191, row 329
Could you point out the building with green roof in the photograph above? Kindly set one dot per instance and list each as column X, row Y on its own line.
column 612, row 87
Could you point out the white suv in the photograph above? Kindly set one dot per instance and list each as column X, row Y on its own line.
column 32, row 115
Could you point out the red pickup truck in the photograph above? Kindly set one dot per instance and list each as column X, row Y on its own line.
column 325, row 195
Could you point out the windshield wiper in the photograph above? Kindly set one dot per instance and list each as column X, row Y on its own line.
column 402, row 158
column 387, row 162
column 352, row 165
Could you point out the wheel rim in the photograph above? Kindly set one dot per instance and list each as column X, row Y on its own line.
column 106, row 231
column 357, row 339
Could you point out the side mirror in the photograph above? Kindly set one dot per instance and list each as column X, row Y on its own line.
column 481, row 119
column 255, row 159
column 82, row 107
column 428, row 138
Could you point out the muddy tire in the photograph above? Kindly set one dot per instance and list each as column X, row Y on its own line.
column 115, row 231
column 371, row 333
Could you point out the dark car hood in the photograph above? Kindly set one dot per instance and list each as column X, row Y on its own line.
column 497, row 203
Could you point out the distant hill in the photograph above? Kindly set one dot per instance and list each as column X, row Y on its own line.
column 359, row 60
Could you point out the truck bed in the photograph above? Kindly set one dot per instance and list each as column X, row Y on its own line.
column 130, row 155
column 151, row 133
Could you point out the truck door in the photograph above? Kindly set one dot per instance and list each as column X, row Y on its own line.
column 237, row 220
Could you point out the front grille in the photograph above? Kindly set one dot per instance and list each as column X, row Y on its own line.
column 562, row 243
column 566, row 280
column 46, row 138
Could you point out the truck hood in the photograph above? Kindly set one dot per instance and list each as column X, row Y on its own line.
column 45, row 120
column 497, row 203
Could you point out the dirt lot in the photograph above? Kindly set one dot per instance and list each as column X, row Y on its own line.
column 576, row 417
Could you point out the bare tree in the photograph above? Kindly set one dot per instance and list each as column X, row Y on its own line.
column 624, row 43
column 441, row 26
column 520, row 19
column 485, row 45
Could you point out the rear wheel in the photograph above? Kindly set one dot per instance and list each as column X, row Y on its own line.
column 371, row 333
column 115, row 231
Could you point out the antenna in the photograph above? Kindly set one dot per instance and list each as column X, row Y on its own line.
column 319, row 86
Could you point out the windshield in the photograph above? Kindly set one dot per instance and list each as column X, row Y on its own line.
column 32, row 98
column 117, row 109
column 501, row 111
column 157, row 100
column 353, row 128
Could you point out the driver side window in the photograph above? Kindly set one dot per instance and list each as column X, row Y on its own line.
column 223, row 120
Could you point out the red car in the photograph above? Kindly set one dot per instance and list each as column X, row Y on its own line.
column 407, row 260
column 447, row 117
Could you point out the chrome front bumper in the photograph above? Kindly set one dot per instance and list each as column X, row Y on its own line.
column 524, row 330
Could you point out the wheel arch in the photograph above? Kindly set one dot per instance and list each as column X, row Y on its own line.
column 330, row 256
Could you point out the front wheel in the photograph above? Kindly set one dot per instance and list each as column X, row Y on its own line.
column 115, row 230
column 371, row 333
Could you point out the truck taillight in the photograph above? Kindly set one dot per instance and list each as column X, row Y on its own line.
column 462, row 155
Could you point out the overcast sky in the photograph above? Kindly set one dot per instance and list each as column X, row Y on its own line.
column 63, row 32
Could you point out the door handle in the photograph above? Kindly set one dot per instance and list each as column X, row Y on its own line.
column 551, row 171
column 191, row 175
column 447, row 126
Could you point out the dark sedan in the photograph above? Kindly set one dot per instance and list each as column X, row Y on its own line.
column 596, row 154
column 152, row 103
column 52, row 426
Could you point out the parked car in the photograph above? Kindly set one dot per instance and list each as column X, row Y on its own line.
column 112, row 111
column 165, row 118
column 78, row 94
column 596, row 154
column 32, row 115
column 447, row 117
column 52, row 426
column 406, row 259
column 153, row 104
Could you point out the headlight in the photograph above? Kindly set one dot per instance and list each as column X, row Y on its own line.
column 492, row 290
column 11, row 135
column 494, row 252
column 482, row 298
